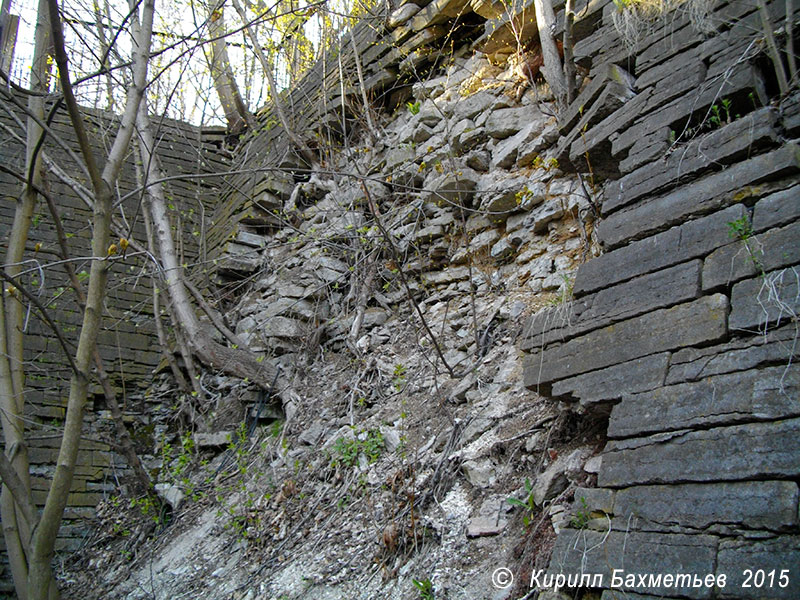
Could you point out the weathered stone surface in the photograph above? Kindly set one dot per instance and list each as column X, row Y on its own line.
column 500, row 196
column 479, row 473
column 718, row 148
column 658, row 112
column 667, row 287
column 599, row 78
column 761, row 303
column 781, row 555
column 282, row 327
column 595, row 500
column 689, row 240
column 505, row 153
column 777, row 209
column 691, row 364
column 753, row 451
column 475, row 104
column 768, row 505
column 550, row 483
column 506, row 122
column 401, row 15
column 610, row 383
column 713, row 192
column 701, row 321
column 765, row 394
column 455, row 188
column 772, row 250
column 596, row 552
column 211, row 440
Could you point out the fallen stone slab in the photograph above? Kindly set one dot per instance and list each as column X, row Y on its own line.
column 751, row 451
column 770, row 505
column 698, row 322
column 216, row 439
column 764, row 394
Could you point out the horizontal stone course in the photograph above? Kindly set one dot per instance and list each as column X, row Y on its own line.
column 764, row 302
column 765, row 394
column 667, row 287
column 732, row 142
column 772, row 250
column 607, row 384
column 781, row 555
column 691, row 364
column 738, row 452
column 710, row 193
column 594, row 552
column 701, row 321
column 777, row 209
column 768, row 505
column 686, row 241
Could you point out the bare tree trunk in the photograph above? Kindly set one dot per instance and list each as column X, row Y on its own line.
column 569, row 56
column 17, row 530
column 236, row 112
column 40, row 582
column 553, row 73
column 305, row 151
column 234, row 361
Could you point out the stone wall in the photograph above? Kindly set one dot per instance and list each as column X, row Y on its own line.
column 127, row 342
column 685, row 329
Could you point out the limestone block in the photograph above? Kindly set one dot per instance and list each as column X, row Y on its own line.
column 401, row 15
column 777, row 209
column 474, row 105
column 701, row 321
column 479, row 473
column 756, row 450
column 781, row 555
column 772, row 250
column 708, row 194
column 761, row 303
column 746, row 504
column 282, row 327
column 504, row 154
column 453, row 188
column 691, row 364
column 595, row 552
column 610, row 383
column 505, row 122
column 724, row 146
column 667, row 287
column 689, row 240
column 736, row 397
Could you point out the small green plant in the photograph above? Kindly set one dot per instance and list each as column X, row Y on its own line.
column 399, row 379
column 528, row 504
column 413, row 107
column 741, row 229
column 425, row 588
column 347, row 450
column 582, row 516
